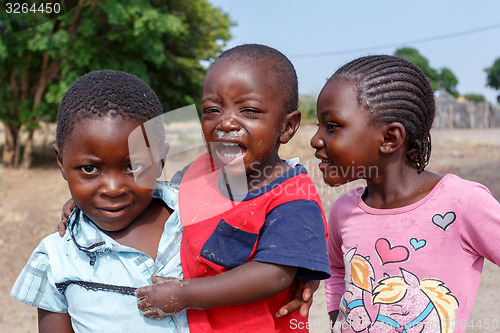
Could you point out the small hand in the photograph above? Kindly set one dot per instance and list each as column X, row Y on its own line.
column 65, row 214
column 302, row 299
column 162, row 299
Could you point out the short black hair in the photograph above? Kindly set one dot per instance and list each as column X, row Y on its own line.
column 282, row 69
column 105, row 93
column 395, row 90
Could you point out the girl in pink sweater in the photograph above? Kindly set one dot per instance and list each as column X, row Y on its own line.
column 406, row 252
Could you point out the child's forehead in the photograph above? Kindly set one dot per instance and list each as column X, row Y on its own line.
column 256, row 63
column 263, row 75
column 221, row 67
column 270, row 74
column 96, row 120
column 340, row 86
column 118, row 125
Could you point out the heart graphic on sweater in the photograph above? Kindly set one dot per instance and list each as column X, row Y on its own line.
column 390, row 254
column 417, row 244
column 444, row 221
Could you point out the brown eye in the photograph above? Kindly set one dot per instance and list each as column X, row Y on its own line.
column 331, row 126
column 210, row 110
column 251, row 110
column 89, row 169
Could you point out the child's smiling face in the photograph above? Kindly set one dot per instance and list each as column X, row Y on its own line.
column 96, row 163
column 243, row 118
column 347, row 141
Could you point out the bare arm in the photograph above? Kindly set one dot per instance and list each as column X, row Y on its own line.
column 65, row 214
column 251, row 282
column 302, row 299
column 49, row 322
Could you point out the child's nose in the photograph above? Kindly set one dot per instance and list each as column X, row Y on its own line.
column 316, row 141
column 113, row 185
column 229, row 123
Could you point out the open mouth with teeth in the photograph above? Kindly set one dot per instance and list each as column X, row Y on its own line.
column 228, row 153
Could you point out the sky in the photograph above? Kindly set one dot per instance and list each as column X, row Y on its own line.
column 320, row 36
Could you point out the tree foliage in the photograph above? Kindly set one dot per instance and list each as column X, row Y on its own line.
column 307, row 106
column 161, row 41
column 493, row 76
column 438, row 78
column 448, row 80
column 477, row 98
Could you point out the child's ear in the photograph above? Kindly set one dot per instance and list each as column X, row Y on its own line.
column 291, row 124
column 394, row 137
column 59, row 160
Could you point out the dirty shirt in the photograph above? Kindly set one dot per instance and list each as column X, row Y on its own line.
column 281, row 223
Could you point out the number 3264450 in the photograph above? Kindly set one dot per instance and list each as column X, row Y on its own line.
column 25, row 8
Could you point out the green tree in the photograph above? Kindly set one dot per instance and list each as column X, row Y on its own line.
column 448, row 81
column 161, row 41
column 475, row 98
column 307, row 106
column 493, row 76
column 442, row 78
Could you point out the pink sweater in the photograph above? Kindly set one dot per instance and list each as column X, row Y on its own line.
column 414, row 268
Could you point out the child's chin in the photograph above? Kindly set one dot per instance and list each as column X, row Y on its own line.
column 234, row 171
column 334, row 181
column 232, row 167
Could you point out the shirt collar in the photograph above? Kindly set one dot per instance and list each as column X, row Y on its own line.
column 296, row 169
column 89, row 239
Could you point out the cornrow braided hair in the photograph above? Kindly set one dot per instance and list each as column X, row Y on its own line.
column 395, row 90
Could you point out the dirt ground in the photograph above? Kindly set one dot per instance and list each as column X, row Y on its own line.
column 31, row 202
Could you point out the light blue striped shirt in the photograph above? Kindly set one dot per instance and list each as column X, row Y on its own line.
column 96, row 276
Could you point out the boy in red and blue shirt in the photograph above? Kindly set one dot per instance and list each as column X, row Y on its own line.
column 245, row 242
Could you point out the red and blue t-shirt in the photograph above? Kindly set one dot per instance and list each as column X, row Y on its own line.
column 281, row 223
